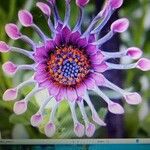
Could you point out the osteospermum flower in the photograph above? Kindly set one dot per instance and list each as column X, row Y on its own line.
column 70, row 63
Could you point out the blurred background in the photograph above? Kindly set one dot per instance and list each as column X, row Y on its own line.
column 136, row 120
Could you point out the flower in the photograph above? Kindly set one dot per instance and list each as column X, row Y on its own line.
column 70, row 63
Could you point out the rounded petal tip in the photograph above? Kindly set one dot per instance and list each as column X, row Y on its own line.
column 50, row 129
column 143, row 64
column 115, row 108
column 4, row 47
column 116, row 3
column 82, row 3
column 12, row 31
column 9, row 68
column 79, row 129
column 36, row 119
column 133, row 98
column 25, row 18
column 120, row 25
column 10, row 94
column 134, row 52
column 44, row 8
column 20, row 107
column 90, row 130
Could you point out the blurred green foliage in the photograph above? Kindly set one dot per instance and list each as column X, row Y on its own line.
column 136, row 119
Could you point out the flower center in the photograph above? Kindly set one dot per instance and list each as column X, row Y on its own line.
column 68, row 65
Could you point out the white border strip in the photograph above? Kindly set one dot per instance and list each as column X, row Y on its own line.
column 72, row 141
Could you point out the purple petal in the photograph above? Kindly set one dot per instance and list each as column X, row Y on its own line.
column 79, row 129
column 66, row 32
column 90, row 83
column 25, row 18
column 12, row 31
column 143, row 64
column 97, row 58
column 44, row 8
column 71, row 94
column 41, row 77
column 4, row 47
column 120, row 25
column 91, row 49
column 50, row 45
column 74, row 37
column 54, row 90
column 99, row 78
column 50, row 129
column 82, row 42
column 90, row 130
column 115, row 108
column 101, row 67
column 61, row 95
column 41, row 54
column 58, row 39
column 20, row 107
column 36, row 119
column 91, row 38
column 10, row 94
column 116, row 3
column 134, row 52
column 133, row 98
column 46, row 83
column 9, row 68
column 81, row 90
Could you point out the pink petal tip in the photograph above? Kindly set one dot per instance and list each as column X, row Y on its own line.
column 12, row 31
column 120, row 25
column 9, row 68
column 25, row 18
column 20, row 107
column 116, row 3
column 90, row 130
column 143, row 64
column 10, row 94
column 4, row 47
column 134, row 52
column 115, row 108
column 133, row 98
column 36, row 119
column 79, row 129
column 44, row 8
column 50, row 129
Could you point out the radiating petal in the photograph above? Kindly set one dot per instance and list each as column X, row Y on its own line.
column 134, row 52
column 10, row 94
column 120, row 25
column 133, row 98
column 36, row 119
column 115, row 108
column 143, row 64
column 44, row 8
column 79, row 129
column 9, row 68
column 12, row 31
column 4, row 47
column 25, row 18
column 20, row 107
column 90, row 130
column 50, row 129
